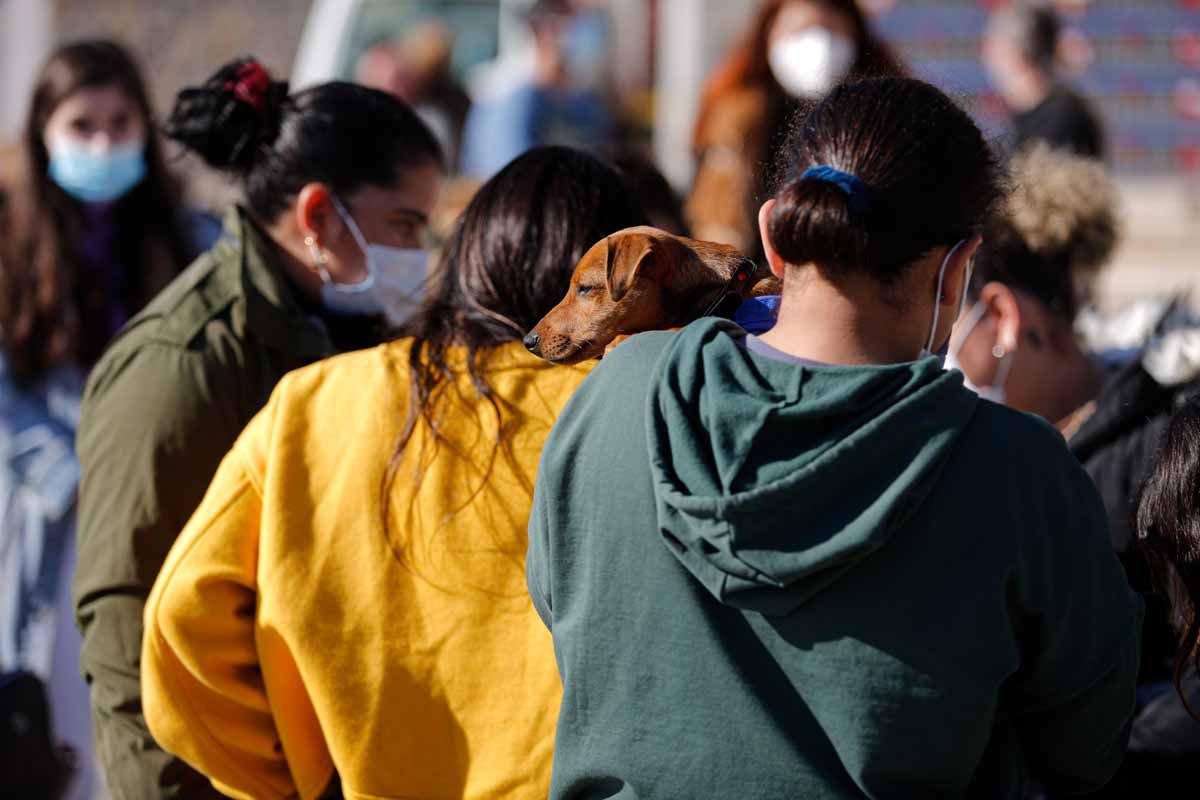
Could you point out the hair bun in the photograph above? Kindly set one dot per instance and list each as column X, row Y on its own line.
column 814, row 222
column 231, row 116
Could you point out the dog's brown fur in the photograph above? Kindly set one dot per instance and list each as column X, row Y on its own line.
column 640, row 279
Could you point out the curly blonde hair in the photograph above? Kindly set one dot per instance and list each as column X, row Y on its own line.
column 1065, row 208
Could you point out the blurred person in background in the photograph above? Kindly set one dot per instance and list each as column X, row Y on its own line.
column 559, row 98
column 374, row 515
column 816, row 541
column 795, row 52
column 91, row 228
column 416, row 68
column 1018, row 345
column 1020, row 53
column 323, row 255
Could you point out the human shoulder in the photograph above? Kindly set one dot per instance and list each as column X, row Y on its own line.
column 1017, row 432
column 348, row 376
column 184, row 312
column 1023, row 458
column 633, row 360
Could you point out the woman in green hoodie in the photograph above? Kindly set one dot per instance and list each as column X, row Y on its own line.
column 813, row 564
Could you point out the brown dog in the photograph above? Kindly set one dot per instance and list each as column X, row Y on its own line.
column 644, row 279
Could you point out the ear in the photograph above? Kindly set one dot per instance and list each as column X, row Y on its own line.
column 774, row 261
column 627, row 253
column 1005, row 306
column 315, row 213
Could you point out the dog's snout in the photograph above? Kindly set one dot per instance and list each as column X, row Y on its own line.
column 533, row 342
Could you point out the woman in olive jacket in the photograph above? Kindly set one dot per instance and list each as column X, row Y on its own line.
column 339, row 182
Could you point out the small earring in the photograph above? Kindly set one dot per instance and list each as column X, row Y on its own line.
column 998, row 352
column 318, row 255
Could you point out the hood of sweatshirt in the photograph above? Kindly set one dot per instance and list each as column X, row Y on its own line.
column 773, row 479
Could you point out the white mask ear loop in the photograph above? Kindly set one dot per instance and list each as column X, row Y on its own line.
column 319, row 259
column 360, row 240
column 937, row 300
column 969, row 323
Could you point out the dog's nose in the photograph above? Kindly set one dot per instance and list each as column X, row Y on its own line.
column 532, row 342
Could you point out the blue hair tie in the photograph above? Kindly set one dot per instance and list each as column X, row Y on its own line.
column 856, row 190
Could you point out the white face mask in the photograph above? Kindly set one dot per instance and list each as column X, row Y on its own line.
column 394, row 282
column 810, row 63
column 927, row 350
column 995, row 392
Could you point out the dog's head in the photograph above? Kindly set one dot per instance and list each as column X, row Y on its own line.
column 635, row 280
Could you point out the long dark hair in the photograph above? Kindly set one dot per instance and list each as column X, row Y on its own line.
column 1167, row 522
column 340, row 134
column 928, row 179
column 747, row 67
column 52, row 311
column 507, row 263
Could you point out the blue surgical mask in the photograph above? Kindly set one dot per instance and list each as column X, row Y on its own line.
column 96, row 177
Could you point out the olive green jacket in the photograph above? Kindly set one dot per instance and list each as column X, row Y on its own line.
column 161, row 409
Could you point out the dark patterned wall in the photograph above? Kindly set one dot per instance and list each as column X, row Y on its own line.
column 1138, row 60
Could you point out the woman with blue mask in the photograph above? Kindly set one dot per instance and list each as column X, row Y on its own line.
column 324, row 254
column 91, row 229
column 817, row 541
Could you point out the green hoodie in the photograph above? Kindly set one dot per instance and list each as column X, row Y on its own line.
column 767, row 579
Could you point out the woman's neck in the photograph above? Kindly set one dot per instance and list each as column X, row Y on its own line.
column 845, row 324
column 1080, row 379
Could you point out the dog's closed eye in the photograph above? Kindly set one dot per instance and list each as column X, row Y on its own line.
column 583, row 290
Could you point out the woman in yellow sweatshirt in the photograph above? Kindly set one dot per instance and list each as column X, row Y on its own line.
column 349, row 601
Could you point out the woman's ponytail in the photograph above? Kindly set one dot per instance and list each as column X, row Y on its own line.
column 819, row 219
column 231, row 117
column 879, row 174
column 340, row 134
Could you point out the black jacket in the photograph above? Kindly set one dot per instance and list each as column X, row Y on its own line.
column 1118, row 446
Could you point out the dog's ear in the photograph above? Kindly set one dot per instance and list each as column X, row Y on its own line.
column 627, row 255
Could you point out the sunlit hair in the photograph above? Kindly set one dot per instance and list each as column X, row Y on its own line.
column 1057, row 229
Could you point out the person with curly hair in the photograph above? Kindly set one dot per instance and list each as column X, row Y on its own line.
column 1021, row 344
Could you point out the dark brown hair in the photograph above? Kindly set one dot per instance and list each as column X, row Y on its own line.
column 52, row 311
column 507, row 263
column 747, row 66
column 340, row 134
column 926, row 179
column 1167, row 522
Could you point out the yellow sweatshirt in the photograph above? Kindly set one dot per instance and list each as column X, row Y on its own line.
column 290, row 633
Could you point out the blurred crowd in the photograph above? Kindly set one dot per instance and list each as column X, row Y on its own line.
column 268, row 476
